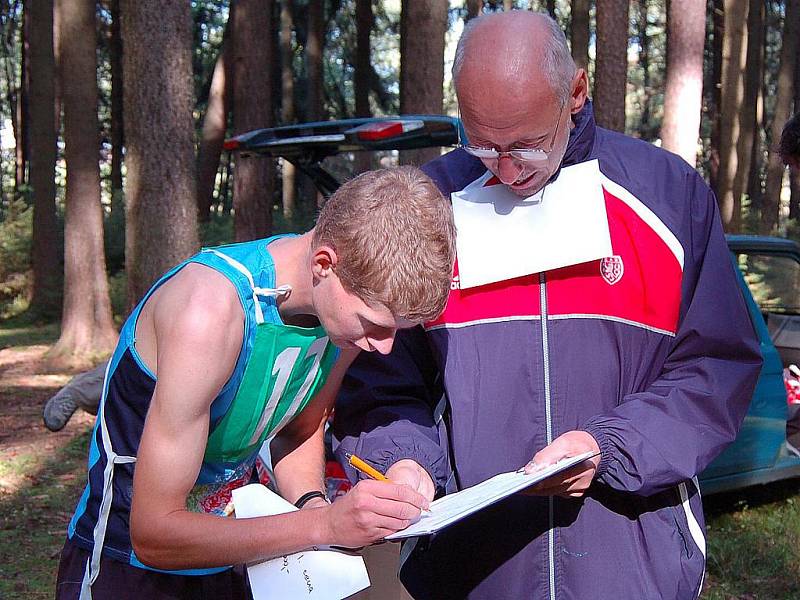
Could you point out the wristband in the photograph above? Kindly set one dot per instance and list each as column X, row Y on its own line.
column 302, row 500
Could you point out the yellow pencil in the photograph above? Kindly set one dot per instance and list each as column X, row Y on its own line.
column 368, row 470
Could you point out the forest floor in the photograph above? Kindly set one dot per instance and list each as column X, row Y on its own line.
column 753, row 536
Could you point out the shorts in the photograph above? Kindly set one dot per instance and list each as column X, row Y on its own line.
column 121, row 581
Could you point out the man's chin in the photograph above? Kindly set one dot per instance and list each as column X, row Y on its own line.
column 526, row 189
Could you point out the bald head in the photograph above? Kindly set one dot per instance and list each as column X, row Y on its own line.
column 515, row 50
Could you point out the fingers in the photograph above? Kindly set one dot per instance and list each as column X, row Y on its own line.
column 393, row 491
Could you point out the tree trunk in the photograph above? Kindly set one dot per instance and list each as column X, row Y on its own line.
column 734, row 52
column 315, row 95
column 746, row 145
column 686, row 24
column 161, row 216
column 508, row 5
column 579, row 33
column 786, row 73
column 47, row 276
column 87, row 327
column 363, row 74
column 253, row 180
column 755, row 72
column 422, row 29
column 645, row 127
column 794, row 171
column 718, row 20
column 215, row 124
column 288, row 176
column 21, row 131
column 611, row 67
column 314, row 49
column 117, row 123
column 473, row 8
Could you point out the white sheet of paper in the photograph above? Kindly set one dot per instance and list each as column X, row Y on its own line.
column 316, row 574
column 454, row 507
column 502, row 236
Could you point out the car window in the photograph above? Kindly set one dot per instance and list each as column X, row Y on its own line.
column 774, row 281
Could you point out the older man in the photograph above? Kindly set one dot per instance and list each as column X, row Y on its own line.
column 625, row 334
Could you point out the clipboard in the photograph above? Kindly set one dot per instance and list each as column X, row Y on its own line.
column 454, row 507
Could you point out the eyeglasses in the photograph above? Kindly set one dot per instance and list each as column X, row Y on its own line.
column 518, row 154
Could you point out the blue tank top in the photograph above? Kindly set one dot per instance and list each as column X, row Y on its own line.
column 127, row 390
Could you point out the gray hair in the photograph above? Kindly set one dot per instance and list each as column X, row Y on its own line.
column 557, row 63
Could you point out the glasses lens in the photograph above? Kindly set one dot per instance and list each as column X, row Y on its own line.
column 486, row 153
column 532, row 155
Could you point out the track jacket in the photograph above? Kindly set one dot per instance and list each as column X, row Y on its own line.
column 650, row 350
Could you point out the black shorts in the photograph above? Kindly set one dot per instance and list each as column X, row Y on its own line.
column 120, row 581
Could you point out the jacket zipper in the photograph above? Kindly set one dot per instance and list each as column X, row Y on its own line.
column 549, row 425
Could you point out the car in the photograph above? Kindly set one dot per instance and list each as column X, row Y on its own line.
column 767, row 268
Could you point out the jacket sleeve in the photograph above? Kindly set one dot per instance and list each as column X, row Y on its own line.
column 693, row 410
column 384, row 411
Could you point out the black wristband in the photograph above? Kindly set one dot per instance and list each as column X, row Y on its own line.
column 301, row 501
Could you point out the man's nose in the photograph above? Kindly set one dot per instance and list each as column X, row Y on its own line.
column 507, row 170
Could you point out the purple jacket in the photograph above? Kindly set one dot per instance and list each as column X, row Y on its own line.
column 650, row 350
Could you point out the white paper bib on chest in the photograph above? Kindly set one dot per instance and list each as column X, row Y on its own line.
column 501, row 236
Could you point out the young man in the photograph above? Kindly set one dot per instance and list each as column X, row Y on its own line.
column 236, row 346
column 645, row 354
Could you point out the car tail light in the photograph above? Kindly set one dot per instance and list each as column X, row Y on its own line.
column 231, row 144
column 383, row 130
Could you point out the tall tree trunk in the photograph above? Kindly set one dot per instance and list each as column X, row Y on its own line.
column 718, row 27
column 315, row 94
column 755, row 72
column 611, row 70
column 215, row 123
column 734, row 53
column 288, row 176
column 253, row 180
column 47, row 276
column 579, row 33
column 87, row 327
column 21, row 117
column 161, row 215
column 686, row 24
column 117, row 123
column 508, row 5
column 473, row 8
column 423, row 24
column 794, row 171
column 645, row 127
column 314, row 67
column 363, row 73
column 748, row 122
column 786, row 74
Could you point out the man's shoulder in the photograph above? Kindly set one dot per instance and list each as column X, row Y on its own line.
column 453, row 171
column 613, row 146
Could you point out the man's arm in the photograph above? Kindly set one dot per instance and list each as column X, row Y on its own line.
column 671, row 431
column 198, row 332
column 298, row 452
column 384, row 414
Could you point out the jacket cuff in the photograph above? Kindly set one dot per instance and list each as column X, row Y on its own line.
column 605, row 445
column 405, row 448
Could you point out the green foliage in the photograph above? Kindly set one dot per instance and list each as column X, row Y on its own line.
column 118, row 294
column 15, row 261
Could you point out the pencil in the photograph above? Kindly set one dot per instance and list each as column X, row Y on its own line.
column 362, row 466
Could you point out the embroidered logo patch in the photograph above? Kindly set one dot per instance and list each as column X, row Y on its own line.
column 612, row 269
column 454, row 283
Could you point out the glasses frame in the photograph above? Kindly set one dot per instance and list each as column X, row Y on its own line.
column 523, row 155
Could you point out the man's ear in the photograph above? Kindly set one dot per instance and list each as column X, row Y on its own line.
column 580, row 91
column 323, row 261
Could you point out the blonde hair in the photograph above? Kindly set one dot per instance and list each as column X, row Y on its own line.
column 394, row 235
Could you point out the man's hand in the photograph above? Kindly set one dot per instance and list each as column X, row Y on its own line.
column 410, row 473
column 370, row 511
column 573, row 482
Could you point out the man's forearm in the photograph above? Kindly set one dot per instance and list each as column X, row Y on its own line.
column 299, row 467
